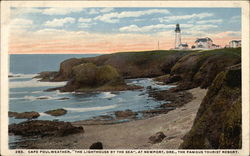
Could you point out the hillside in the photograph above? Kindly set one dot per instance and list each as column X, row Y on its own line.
column 218, row 121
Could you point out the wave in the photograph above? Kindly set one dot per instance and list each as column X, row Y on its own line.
column 34, row 83
column 21, row 76
column 106, row 95
column 89, row 109
column 23, row 92
column 33, row 98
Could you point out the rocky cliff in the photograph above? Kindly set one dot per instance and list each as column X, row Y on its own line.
column 128, row 64
column 200, row 68
column 218, row 121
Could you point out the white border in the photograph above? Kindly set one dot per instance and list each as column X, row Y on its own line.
column 5, row 9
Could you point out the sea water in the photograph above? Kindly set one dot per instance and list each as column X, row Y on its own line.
column 27, row 94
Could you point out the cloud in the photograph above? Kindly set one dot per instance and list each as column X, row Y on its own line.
column 84, row 20
column 150, row 28
column 210, row 21
column 235, row 19
column 61, row 11
column 24, row 10
column 104, row 10
column 93, row 11
column 114, row 17
column 97, row 11
column 185, row 17
column 20, row 23
column 59, row 22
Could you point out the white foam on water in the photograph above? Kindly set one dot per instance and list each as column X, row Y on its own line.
column 23, row 92
column 43, row 114
column 21, row 76
column 36, row 92
column 89, row 109
column 33, row 98
column 34, row 83
column 106, row 95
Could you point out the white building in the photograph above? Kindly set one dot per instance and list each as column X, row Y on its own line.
column 178, row 44
column 204, row 43
column 235, row 43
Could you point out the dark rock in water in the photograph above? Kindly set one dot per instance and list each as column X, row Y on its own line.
column 44, row 128
column 97, row 145
column 149, row 87
column 176, row 99
column 42, row 98
column 103, row 117
column 64, row 98
column 13, row 75
column 52, row 89
column 125, row 114
column 218, row 123
column 24, row 115
column 56, row 112
column 157, row 138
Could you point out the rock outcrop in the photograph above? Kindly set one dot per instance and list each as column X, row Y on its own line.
column 218, row 121
column 125, row 114
column 24, row 115
column 56, row 112
column 96, row 145
column 156, row 138
column 44, row 128
column 89, row 77
column 128, row 64
column 200, row 68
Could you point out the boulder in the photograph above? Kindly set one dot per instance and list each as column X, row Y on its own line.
column 24, row 115
column 56, row 112
column 125, row 114
column 96, row 145
column 44, row 128
column 157, row 138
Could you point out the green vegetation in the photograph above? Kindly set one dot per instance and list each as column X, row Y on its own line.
column 90, row 75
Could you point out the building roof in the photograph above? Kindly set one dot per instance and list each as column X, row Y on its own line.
column 184, row 45
column 206, row 39
column 236, row 41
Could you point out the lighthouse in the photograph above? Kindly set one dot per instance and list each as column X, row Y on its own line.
column 177, row 36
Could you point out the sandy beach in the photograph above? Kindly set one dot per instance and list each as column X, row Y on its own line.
column 132, row 135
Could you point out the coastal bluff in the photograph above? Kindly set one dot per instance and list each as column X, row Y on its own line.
column 188, row 69
column 218, row 121
column 217, row 124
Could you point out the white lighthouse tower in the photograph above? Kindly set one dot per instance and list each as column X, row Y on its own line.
column 177, row 36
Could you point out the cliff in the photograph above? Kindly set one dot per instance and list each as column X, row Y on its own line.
column 198, row 69
column 128, row 64
column 218, row 121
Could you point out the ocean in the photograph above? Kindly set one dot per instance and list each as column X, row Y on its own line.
column 27, row 94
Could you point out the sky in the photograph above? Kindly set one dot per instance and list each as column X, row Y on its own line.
column 38, row 30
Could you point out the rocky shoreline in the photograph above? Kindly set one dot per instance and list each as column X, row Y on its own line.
column 167, row 124
column 93, row 128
